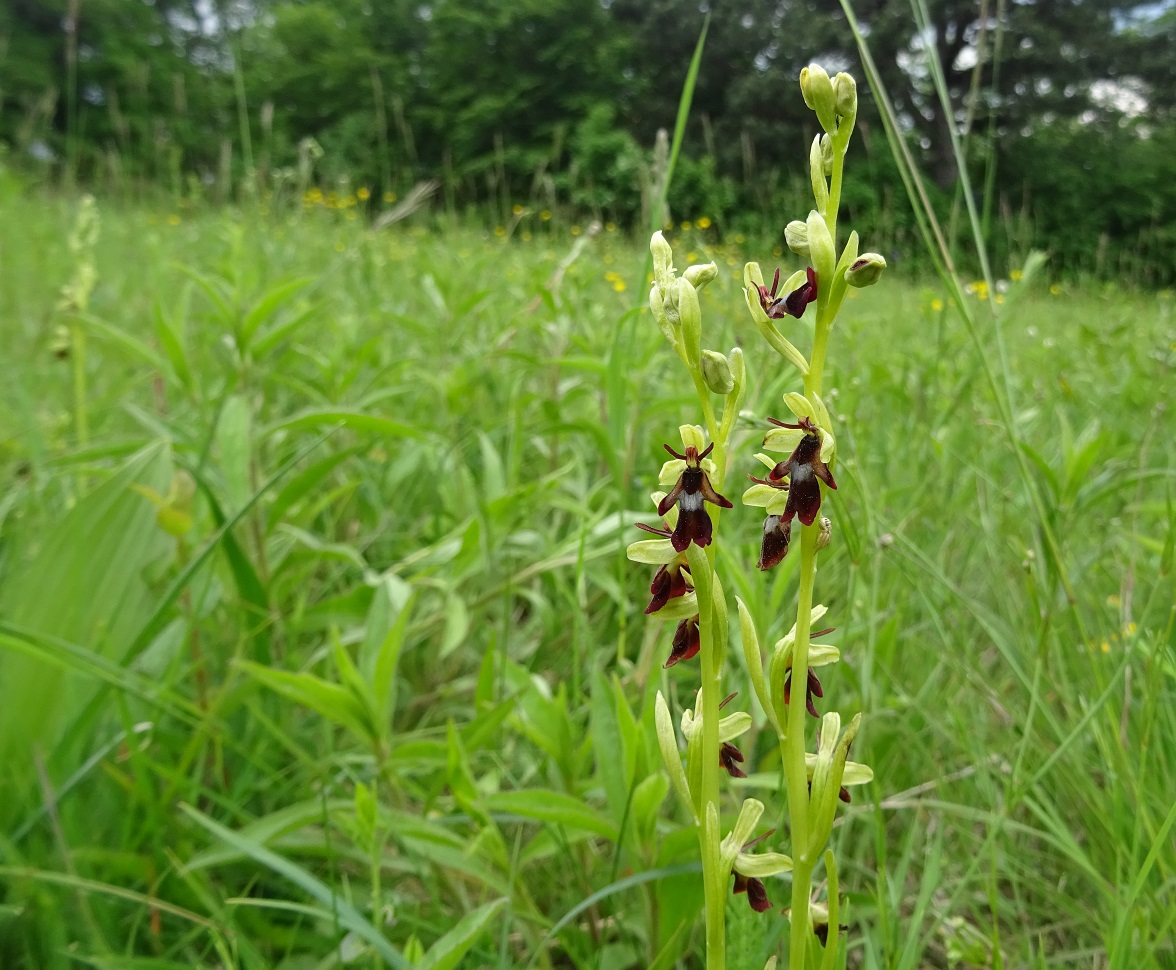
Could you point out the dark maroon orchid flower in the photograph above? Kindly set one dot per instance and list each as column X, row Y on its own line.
column 689, row 492
column 794, row 303
column 802, row 469
column 730, row 757
column 686, row 642
column 757, row 895
column 669, row 582
column 813, row 688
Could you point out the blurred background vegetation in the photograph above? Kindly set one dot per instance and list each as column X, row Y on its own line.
column 1068, row 108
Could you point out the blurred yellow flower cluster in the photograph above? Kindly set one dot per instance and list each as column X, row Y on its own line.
column 315, row 198
column 615, row 280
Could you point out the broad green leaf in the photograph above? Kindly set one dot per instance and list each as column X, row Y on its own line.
column 83, row 585
column 233, row 436
column 335, row 703
column 545, row 805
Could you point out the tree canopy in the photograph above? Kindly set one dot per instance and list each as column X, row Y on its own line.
column 562, row 99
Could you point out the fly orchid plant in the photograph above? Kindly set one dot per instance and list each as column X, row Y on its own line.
column 686, row 587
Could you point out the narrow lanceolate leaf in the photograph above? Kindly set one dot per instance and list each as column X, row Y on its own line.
column 352, row 420
column 544, row 805
column 447, row 952
column 348, row 916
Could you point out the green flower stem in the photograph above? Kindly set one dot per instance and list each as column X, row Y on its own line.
column 78, row 354
column 793, row 752
column 710, row 664
column 794, row 745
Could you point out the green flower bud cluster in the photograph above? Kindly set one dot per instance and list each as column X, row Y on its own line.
column 834, row 101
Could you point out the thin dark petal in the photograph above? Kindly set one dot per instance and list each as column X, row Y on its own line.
column 671, row 499
column 727, row 700
column 694, row 525
column 740, row 884
column 809, row 705
column 775, row 282
column 814, row 685
column 823, row 473
column 783, row 424
column 844, row 795
column 757, row 896
column 674, row 453
column 664, row 533
column 709, row 493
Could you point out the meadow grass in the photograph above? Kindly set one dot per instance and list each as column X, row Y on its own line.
column 203, row 763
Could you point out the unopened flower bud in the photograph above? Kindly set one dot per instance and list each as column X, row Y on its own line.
column 827, row 154
column 796, row 236
column 818, row 95
column 845, row 95
column 663, row 260
column 820, row 246
column 700, row 274
column 825, row 533
column 716, row 371
column 690, row 314
column 865, row 270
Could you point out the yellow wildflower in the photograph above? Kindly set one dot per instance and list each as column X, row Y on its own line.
column 1015, row 274
column 937, row 304
column 703, row 223
column 364, row 193
column 545, row 215
column 576, row 230
column 1054, row 289
column 173, row 220
column 389, row 196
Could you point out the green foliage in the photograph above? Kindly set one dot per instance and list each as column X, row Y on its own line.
column 404, row 494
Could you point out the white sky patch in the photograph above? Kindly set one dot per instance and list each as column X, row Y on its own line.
column 1124, row 96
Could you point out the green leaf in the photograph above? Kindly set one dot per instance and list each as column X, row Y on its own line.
column 233, row 434
column 269, row 338
column 606, row 742
column 84, row 584
column 447, row 952
column 612, row 889
column 546, row 805
column 269, row 304
column 348, row 916
column 250, row 589
column 304, row 483
column 352, row 420
column 120, row 338
column 172, row 342
column 331, row 701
